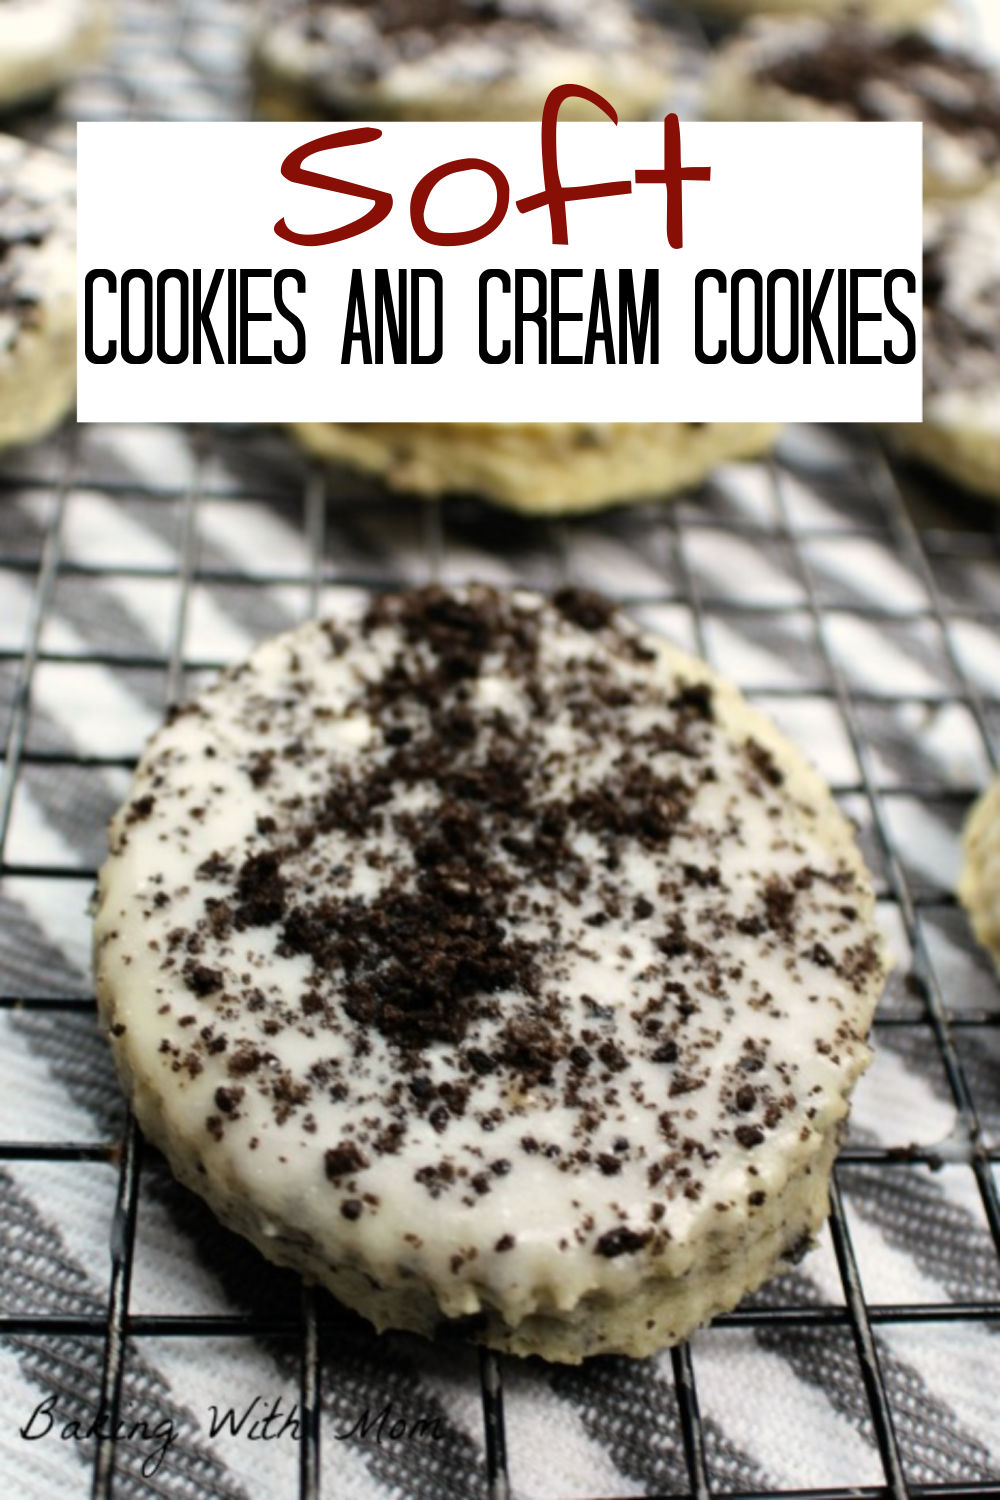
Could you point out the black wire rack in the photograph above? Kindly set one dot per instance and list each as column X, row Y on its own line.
column 939, row 539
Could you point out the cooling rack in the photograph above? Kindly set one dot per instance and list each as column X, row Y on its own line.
column 857, row 602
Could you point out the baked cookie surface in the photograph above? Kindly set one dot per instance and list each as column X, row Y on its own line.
column 456, row 59
column 43, row 43
column 894, row 13
column 37, row 290
column 979, row 887
column 495, row 965
column 548, row 468
column 960, row 433
column 815, row 70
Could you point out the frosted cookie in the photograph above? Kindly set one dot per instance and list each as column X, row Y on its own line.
column 960, row 433
column 37, row 290
column 979, row 887
column 542, row 468
column 456, row 59
column 816, row 70
column 43, row 43
column 894, row 13
column 493, row 964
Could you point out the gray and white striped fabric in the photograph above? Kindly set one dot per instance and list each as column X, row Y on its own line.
column 153, row 549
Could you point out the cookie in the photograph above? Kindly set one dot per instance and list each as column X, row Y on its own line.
column 43, row 43
column 540, row 468
column 815, row 70
column 493, row 964
column 456, row 59
column 37, row 290
column 960, row 433
column 894, row 13
column 979, row 887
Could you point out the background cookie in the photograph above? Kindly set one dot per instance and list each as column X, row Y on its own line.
column 960, row 433
column 453, row 59
column 37, row 290
column 542, row 468
column 43, row 43
column 885, row 12
column 979, row 888
column 488, row 960
column 823, row 71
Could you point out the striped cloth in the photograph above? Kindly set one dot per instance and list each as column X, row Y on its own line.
column 784, row 1404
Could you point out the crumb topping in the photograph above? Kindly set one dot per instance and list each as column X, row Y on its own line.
column 961, row 297
column 882, row 77
column 37, row 213
column 419, row 45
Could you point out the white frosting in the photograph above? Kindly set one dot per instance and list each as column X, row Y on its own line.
column 37, row 289
column 958, row 159
column 343, row 52
column 37, row 235
column 962, row 312
column 714, row 958
column 42, row 42
column 960, row 432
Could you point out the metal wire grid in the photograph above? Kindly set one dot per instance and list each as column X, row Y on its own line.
column 204, row 35
column 318, row 1321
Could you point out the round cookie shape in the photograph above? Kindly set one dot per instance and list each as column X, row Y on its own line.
column 37, row 290
column 457, row 59
column 979, row 886
column 495, row 965
column 960, row 433
column 541, row 468
column 816, row 70
column 43, row 43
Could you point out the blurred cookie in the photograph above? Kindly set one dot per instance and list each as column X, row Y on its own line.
column 43, row 43
column 817, row 70
column 37, row 290
column 540, row 468
column 895, row 13
column 456, row 59
column 960, row 433
column 979, row 887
